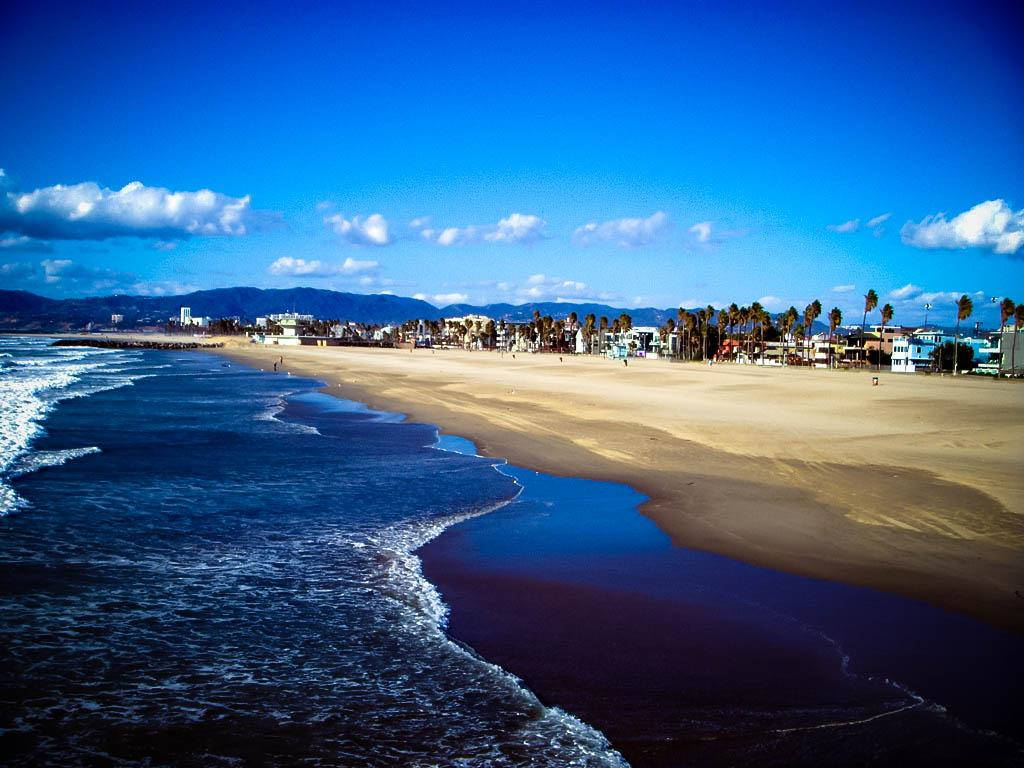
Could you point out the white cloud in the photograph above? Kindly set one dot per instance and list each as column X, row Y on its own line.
column 771, row 303
column 515, row 228
column 163, row 288
column 24, row 244
column 877, row 220
column 843, row 288
column 87, row 211
column 847, row 226
column 54, row 268
column 17, row 270
column 373, row 230
column 287, row 265
column 450, row 298
column 991, row 224
column 442, row 299
column 627, row 233
column 350, row 265
column 72, row 276
column 906, row 291
column 702, row 230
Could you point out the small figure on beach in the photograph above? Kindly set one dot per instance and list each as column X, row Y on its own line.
column 275, row 366
column 625, row 363
column 559, row 358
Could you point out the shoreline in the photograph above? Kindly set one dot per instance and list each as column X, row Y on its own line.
column 703, row 497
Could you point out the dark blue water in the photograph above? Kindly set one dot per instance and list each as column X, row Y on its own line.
column 227, row 576
column 201, row 564
column 685, row 657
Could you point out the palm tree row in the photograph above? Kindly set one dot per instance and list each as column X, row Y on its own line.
column 698, row 334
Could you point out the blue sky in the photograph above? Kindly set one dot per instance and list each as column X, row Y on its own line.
column 640, row 155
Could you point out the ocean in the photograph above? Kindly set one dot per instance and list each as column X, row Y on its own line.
column 205, row 564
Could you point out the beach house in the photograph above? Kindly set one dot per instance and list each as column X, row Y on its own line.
column 911, row 354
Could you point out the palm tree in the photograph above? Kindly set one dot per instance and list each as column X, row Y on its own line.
column 870, row 302
column 964, row 307
column 588, row 331
column 604, row 331
column 670, row 329
column 681, row 314
column 786, row 321
column 734, row 316
column 811, row 313
column 835, row 319
column 1006, row 309
column 886, row 317
column 754, row 315
column 689, row 326
column 723, row 321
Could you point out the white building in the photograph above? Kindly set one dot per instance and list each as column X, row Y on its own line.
column 911, row 354
column 185, row 315
column 116, row 319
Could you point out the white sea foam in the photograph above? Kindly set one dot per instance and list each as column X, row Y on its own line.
column 41, row 377
column 36, row 460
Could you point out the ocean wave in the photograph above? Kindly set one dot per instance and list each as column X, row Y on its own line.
column 273, row 409
column 29, row 392
column 36, row 460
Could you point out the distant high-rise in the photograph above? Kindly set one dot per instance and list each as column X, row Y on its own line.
column 185, row 314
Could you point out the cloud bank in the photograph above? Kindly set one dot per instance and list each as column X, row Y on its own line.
column 373, row 230
column 627, row 233
column 292, row 267
column 991, row 225
column 519, row 228
column 87, row 211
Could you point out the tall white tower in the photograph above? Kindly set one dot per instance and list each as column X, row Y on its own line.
column 186, row 315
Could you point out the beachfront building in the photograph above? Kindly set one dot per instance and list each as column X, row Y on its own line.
column 911, row 354
column 185, row 315
column 1011, row 351
column 116, row 319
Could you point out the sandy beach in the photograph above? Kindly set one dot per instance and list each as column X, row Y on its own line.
column 913, row 486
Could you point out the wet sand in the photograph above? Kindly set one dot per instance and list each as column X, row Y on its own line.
column 913, row 487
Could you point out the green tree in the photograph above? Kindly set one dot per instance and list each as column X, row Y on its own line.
column 943, row 355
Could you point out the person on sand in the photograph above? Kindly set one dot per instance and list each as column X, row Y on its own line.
column 625, row 363
column 275, row 366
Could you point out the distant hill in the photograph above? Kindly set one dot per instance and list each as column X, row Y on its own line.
column 21, row 310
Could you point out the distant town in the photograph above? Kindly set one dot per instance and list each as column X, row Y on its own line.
column 744, row 335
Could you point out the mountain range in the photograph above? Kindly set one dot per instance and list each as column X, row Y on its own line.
column 21, row 310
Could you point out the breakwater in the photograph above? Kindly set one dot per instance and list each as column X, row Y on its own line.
column 135, row 344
